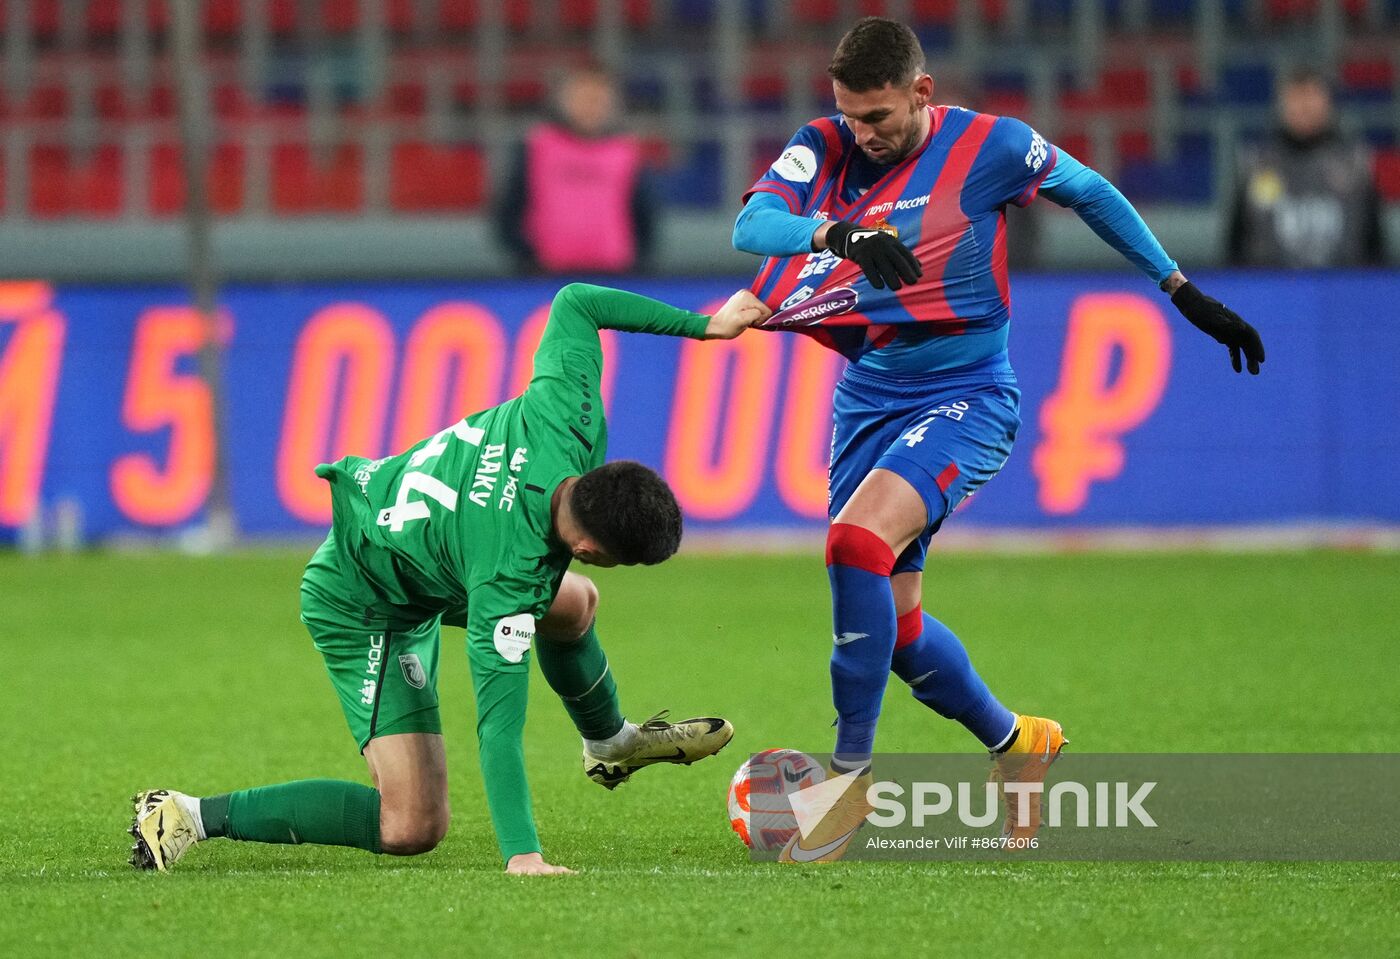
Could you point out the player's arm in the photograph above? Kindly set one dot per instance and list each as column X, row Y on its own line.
column 766, row 227
column 580, row 310
column 771, row 224
column 1108, row 213
column 501, row 687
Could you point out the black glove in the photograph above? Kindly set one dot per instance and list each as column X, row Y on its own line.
column 1223, row 324
column 884, row 260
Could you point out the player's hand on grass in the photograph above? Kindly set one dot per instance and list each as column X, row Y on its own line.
column 533, row 864
column 1218, row 321
column 742, row 311
column 884, row 260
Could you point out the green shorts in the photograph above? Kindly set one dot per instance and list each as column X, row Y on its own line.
column 386, row 677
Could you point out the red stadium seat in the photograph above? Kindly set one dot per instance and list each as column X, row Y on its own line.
column 49, row 102
column 61, row 184
column 340, row 16
column 399, row 16
column 48, row 181
column 428, row 178
column 583, row 14
column 109, row 102
column 103, row 18
column 167, row 186
column 231, row 101
column 407, row 99
column 1388, row 174
column 933, row 11
column 1376, row 73
column 529, row 90
column 1134, row 145
column 457, row 14
column 464, row 14
column 45, row 16
column 1125, row 88
column 1077, row 146
column 223, row 18
column 302, row 185
column 815, row 11
column 282, row 16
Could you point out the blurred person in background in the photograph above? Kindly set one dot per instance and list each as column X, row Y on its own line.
column 1305, row 198
column 576, row 199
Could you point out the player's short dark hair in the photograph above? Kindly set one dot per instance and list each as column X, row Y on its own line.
column 630, row 511
column 876, row 52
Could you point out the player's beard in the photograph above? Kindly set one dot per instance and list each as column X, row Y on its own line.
column 911, row 140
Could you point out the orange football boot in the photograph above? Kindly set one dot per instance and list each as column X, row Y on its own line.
column 1038, row 744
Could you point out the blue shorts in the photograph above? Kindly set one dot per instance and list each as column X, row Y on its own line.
column 946, row 433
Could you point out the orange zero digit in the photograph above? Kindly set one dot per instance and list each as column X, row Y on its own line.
column 341, row 373
column 720, row 422
column 453, row 363
column 804, row 439
column 528, row 340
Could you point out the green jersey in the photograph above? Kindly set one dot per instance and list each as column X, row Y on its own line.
column 461, row 524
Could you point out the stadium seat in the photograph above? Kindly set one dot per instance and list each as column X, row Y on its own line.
column 933, row 12
column 583, row 14
column 62, row 184
column 223, row 18
column 1370, row 80
column 103, row 18
column 1133, row 145
column 695, row 180
column 303, row 183
column 225, row 180
column 45, row 16
column 282, row 16
column 406, row 99
column 1246, row 84
column 1388, row 174
column 48, row 102
column 429, row 178
column 340, row 16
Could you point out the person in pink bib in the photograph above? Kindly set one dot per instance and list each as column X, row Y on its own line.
column 576, row 198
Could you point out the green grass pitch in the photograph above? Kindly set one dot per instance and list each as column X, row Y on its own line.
column 126, row 671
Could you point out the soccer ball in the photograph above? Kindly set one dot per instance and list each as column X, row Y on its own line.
column 759, row 810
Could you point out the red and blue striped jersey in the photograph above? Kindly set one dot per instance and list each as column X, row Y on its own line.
column 946, row 201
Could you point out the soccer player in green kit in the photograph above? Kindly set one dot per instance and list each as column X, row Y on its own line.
column 475, row 526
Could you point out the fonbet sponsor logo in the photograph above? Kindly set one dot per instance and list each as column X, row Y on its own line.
column 513, row 636
column 812, row 311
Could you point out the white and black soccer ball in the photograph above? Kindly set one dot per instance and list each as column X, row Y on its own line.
column 760, row 810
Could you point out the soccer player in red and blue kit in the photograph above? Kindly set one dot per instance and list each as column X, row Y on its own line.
column 884, row 232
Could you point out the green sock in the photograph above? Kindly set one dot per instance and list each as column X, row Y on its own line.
column 579, row 673
column 322, row 811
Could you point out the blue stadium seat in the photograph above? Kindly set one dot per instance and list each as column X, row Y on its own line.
column 1246, row 83
column 695, row 181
